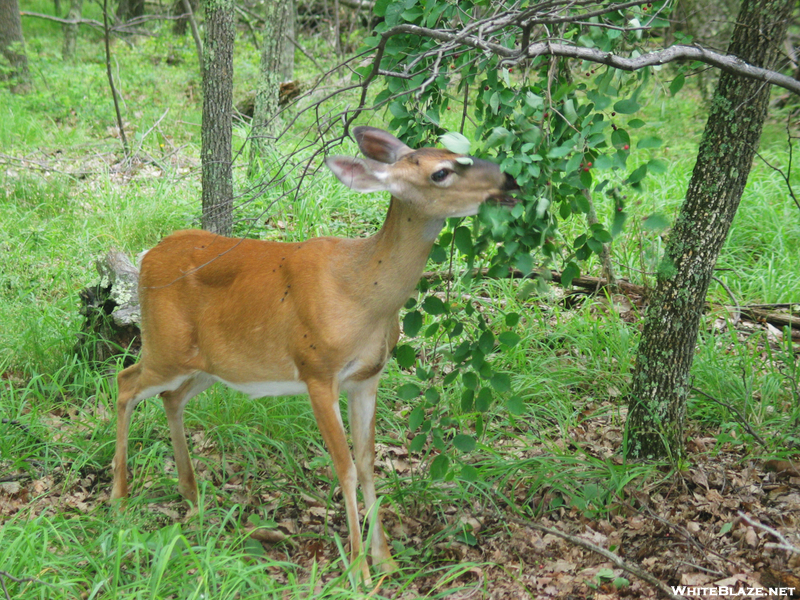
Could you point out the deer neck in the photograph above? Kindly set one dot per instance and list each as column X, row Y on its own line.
column 390, row 263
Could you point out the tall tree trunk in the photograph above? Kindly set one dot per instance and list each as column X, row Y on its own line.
column 178, row 8
column 739, row 108
column 217, row 127
column 286, row 67
column 71, row 30
column 12, row 43
column 265, row 111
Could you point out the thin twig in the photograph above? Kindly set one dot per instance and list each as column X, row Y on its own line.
column 6, row 575
column 738, row 315
column 195, row 33
column 784, row 543
column 106, row 36
column 739, row 416
column 616, row 560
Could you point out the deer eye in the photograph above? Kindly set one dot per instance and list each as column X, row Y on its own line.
column 440, row 175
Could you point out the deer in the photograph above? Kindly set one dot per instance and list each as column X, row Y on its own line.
column 316, row 317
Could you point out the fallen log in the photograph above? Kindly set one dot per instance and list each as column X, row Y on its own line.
column 111, row 312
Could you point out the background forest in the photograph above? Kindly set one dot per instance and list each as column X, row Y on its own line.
column 502, row 419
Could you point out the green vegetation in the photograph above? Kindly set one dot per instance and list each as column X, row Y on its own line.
column 65, row 199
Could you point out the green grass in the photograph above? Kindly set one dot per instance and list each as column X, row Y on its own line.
column 262, row 460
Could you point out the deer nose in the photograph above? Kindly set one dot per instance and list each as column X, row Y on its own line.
column 510, row 184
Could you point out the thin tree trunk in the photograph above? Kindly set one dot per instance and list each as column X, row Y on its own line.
column 286, row 67
column 12, row 42
column 661, row 379
column 71, row 30
column 179, row 8
column 265, row 111
column 217, row 127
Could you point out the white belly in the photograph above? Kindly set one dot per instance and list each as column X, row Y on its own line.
column 259, row 389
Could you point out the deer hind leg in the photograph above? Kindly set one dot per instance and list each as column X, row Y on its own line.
column 325, row 402
column 134, row 384
column 174, row 403
column 130, row 393
column 361, row 408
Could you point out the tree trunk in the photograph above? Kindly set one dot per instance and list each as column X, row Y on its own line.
column 129, row 9
column 178, row 8
column 661, row 378
column 286, row 67
column 12, row 43
column 217, row 127
column 265, row 111
column 71, row 30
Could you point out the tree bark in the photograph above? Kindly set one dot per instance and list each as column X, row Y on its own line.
column 179, row 8
column 12, row 42
column 217, row 127
column 661, row 378
column 129, row 9
column 71, row 29
column 265, row 111
column 286, row 67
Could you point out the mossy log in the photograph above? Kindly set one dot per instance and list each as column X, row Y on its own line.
column 111, row 312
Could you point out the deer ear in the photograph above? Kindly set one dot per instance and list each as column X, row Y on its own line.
column 360, row 174
column 379, row 145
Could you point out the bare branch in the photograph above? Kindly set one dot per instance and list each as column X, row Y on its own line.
column 511, row 56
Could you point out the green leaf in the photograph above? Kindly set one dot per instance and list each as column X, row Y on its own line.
column 432, row 395
column 486, row 342
column 657, row 167
column 470, row 380
column 412, row 323
column 636, row 123
column 654, row 222
column 649, row 142
column 463, row 241
column 469, row 473
column 570, row 272
column 515, row 405
column 494, row 102
column 467, row 400
column 560, row 151
column 620, row 138
column 440, row 466
column 501, row 382
column 726, row 528
column 638, row 174
column 512, row 319
column 406, row 356
column 418, row 442
column 408, row 391
column 499, row 136
column 464, row 443
column 509, row 339
column 574, row 162
column 433, row 305
column 627, row 107
column 455, row 142
column 415, row 418
column 677, row 84
column 602, row 236
column 619, row 222
column 483, row 400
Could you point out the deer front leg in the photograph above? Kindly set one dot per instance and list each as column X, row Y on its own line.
column 325, row 402
column 361, row 408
